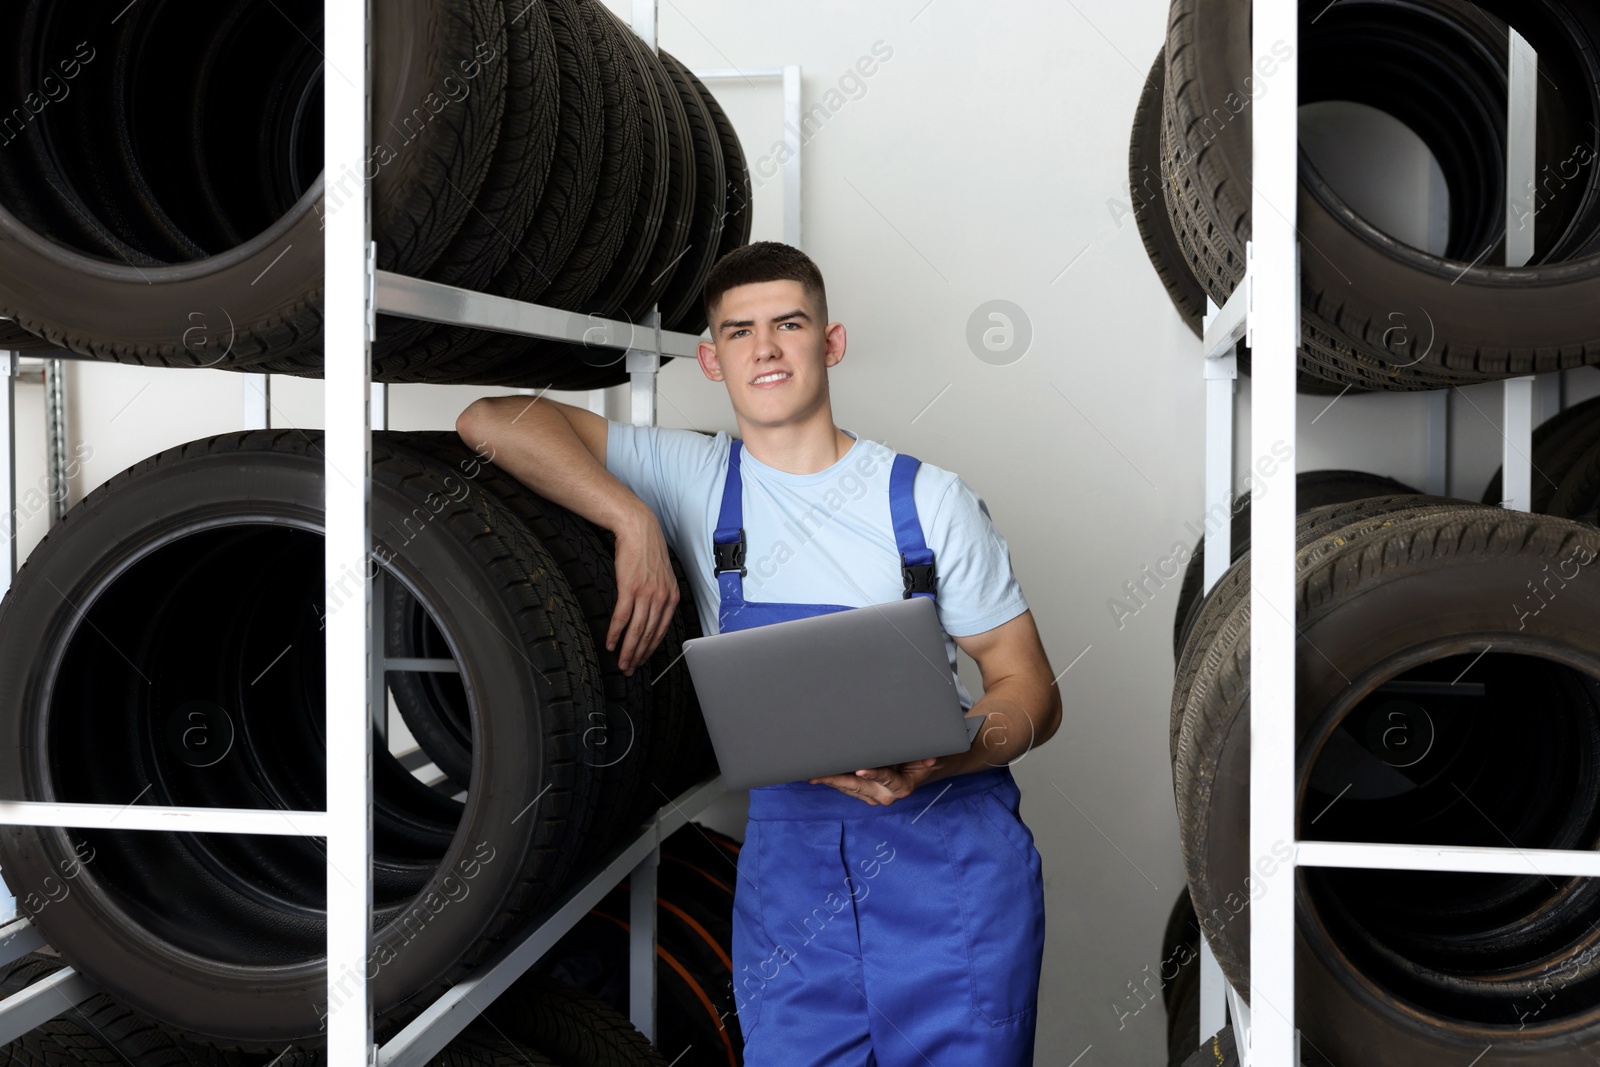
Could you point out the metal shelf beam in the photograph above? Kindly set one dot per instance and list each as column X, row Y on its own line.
column 414, row 298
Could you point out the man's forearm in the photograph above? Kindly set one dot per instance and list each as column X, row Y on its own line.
column 533, row 442
column 1020, row 714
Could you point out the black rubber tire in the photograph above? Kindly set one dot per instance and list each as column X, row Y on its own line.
column 678, row 210
column 1211, row 220
column 1427, row 587
column 1180, row 992
column 1313, row 489
column 619, row 742
column 690, row 758
column 1213, row 613
column 706, row 873
column 563, row 208
column 1579, row 495
column 655, row 162
column 711, row 204
column 628, row 190
column 738, row 205
column 506, row 200
column 433, row 704
column 259, row 301
column 482, row 1045
column 570, row 1025
column 541, row 363
column 14, row 338
column 698, row 1026
column 1150, row 202
column 617, row 194
column 1219, row 1051
column 136, row 935
column 1443, row 74
column 102, row 1030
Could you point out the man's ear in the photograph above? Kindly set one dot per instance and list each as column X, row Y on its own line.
column 833, row 344
column 706, row 353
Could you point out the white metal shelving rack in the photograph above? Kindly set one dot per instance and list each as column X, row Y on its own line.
column 1264, row 310
column 356, row 695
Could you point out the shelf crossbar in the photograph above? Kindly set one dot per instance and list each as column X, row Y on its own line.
column 277, row 822
column 1475, row 859
column 415, row 298
column 42, row 1001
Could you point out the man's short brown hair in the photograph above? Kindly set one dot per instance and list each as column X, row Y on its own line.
column 766, row 261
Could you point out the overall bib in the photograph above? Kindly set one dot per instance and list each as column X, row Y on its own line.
column 897, row 935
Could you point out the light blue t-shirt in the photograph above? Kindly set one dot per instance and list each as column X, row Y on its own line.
column 823, row 538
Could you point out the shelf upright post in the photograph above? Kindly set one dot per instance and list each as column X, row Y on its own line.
column 347, row 340
column 1437, row 403
column 1522, row 100
column 791, row 165
column 11, row 369
column 1221, row 371
column 1272, row 275
column 643, row 367
column 257, row 401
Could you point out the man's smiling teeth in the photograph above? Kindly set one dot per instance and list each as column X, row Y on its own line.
column 774, row 376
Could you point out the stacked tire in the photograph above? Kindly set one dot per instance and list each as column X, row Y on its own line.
column 1377, row 313
column 162, row 194
column 1446, row 657
column 694, row 950
column 163, row 645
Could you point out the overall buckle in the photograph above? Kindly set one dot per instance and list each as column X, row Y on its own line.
column 728, row 556
column 917, row 577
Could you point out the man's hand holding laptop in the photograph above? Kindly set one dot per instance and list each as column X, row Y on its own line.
column 880, row 785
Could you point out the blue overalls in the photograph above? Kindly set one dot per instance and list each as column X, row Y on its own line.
column 904, row 934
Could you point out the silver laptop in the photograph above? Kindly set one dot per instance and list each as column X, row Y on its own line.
column 829, row 694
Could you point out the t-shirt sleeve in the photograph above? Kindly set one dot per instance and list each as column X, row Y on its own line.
column 975, row 589
column 655, row 463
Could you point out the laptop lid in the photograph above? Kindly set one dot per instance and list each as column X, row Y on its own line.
column 828, row 694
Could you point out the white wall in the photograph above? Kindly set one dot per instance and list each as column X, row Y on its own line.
column 985, row 160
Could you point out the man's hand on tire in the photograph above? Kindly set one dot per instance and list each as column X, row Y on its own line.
column 880, row 785
column 647, row 591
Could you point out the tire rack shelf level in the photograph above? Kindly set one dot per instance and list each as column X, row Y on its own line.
column 355, row 293
column 1264, row 312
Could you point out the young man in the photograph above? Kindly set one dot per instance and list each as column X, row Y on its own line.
column 870, row 925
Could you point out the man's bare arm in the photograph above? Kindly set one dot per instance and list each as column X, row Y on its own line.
column 559, row 452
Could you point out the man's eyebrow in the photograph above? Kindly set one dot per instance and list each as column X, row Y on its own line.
column 797, row 313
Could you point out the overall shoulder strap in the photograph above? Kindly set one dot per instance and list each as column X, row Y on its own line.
column 916, row 558
column 728, row 538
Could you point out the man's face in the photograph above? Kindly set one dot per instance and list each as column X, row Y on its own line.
column 771, row 351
